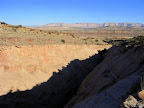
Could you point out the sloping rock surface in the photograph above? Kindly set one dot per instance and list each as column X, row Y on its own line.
column 112, row 97
column 119, row 63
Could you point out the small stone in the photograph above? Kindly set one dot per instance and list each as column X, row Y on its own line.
column 141, row 94
column 140, row 104
column 130, row 102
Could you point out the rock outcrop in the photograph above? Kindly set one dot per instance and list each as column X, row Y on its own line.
column 130, row 102
column 112, row 97
column 110, row 81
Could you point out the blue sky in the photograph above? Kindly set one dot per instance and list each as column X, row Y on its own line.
column 40, row 12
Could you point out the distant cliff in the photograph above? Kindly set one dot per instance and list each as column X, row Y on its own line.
column 93, row 25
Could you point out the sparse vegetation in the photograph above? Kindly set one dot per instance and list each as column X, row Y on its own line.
column 139, row 40
column 63, row 40
column 20, row 36
column 96, row 40
column 53, row 36
column 72, row 35
column 134, row 41
column 2, row 23
column 14, row 29
column 19, row 25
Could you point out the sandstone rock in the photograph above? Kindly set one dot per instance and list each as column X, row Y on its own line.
column 92, row 25
column 130, row 102
column 141, row 94
column 24, row 67
column 112, row 97
column 140, row 104
column 117, row 65
column 60, row 87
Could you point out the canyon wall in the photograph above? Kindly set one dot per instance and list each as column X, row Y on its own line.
column 22, row 67
column 93, row 25
column 113, row 80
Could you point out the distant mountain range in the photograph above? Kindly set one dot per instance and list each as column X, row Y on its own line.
column 92, row 25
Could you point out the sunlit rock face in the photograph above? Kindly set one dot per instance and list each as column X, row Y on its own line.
column 22, row 67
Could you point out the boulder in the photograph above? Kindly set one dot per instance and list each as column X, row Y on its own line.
column 130, row 102
column 112, row 97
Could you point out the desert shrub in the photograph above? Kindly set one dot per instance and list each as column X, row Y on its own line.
column 102, row 52
column 50, row 32
column 31, row 29
column 14, row 29
column 63, row 40
column 58, row 33
column 72, row 35
column 96, row 40
column 84, row 39
column 2, row 23
column 19, row 25
column 134, row 41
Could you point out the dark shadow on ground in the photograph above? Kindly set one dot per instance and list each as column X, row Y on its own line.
column 59, row 89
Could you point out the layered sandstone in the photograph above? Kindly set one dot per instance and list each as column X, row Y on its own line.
column 93, row 25
column 22, row 67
